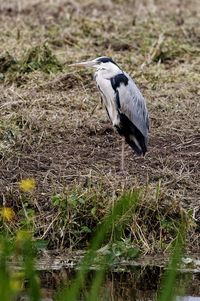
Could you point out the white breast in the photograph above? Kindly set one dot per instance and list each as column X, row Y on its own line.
column 108, row 96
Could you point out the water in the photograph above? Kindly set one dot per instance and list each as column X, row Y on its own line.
column 188, row 298
column 140, row 284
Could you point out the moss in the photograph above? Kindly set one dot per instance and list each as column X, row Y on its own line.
column 36, row 58
column 7, row 61
column 39, row 58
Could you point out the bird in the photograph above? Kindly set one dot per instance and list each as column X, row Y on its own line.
column 123, row 101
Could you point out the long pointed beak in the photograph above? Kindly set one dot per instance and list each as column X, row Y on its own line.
column 84, row 64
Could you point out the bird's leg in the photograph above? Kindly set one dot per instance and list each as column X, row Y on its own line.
column 122, row 156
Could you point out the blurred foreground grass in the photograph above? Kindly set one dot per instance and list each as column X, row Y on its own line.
column 21, row 251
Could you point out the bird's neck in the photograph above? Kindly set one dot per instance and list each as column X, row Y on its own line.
column 108, row 73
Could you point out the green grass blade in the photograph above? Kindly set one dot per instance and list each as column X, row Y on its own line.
column 127, row 201
column 168, row 284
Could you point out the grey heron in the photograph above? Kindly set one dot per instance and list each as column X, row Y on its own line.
column 123, row 101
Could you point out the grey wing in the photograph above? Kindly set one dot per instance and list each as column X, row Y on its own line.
column 133, row 105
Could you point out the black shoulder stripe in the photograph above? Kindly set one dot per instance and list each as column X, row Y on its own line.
column 116, row 81
column 117, row 99
column 119, row 79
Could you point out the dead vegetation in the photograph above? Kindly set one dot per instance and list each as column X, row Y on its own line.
column 54, row 129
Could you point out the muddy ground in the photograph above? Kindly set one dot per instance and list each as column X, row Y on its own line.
column 53, row 127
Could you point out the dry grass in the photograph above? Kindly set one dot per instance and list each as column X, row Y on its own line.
column 54, row 129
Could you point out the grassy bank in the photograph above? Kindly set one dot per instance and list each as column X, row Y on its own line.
column 18, row 274
column 149, row 225
column 54, row 130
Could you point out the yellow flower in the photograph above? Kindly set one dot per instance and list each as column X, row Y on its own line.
column 27, row 184
column 7, row 213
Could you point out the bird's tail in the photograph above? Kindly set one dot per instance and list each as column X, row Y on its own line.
column 138, row 144
column 133, row 136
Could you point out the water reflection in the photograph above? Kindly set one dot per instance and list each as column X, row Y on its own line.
column 188, row 298
column 135, row 285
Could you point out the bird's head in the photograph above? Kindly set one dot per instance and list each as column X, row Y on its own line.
column 105, row 65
